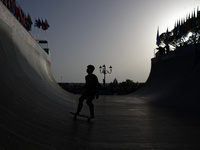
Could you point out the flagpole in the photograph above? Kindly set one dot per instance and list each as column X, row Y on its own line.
column 45, row 34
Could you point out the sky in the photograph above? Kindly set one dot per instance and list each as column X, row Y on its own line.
column 117, row 33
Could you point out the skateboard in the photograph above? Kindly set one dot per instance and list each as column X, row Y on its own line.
column 80, row 115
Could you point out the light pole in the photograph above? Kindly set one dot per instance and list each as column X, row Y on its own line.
column 104, row 71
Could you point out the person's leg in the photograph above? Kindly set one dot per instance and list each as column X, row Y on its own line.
column 80, row 104
column 91, row 107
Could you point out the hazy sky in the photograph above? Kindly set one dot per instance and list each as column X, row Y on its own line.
column 120, row 33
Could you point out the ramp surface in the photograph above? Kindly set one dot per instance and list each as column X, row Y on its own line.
column 175, row 79
column 34, row 110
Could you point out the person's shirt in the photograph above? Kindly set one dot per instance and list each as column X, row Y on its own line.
column 92, row 82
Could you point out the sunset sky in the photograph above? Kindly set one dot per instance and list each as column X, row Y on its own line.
column 117, row 33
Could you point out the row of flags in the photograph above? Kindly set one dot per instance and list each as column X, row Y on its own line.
column 43, row 24
column 181, row 28
column 16, row 10
column 24, row 19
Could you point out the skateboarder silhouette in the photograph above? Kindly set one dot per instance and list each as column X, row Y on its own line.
column 91, row 88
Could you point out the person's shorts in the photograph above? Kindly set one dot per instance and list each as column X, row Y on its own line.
column 89, row 94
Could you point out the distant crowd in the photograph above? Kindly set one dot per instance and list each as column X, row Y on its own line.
column 113, row 88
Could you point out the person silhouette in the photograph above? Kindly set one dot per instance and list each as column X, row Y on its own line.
column 91, row 89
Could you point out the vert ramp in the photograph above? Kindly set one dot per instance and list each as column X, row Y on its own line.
column 175, row 79
column 30, row 98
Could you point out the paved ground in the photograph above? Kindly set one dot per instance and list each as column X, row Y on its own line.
column 131, row 123
column 121, row 123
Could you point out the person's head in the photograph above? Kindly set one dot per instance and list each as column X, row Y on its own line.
column 90, row 69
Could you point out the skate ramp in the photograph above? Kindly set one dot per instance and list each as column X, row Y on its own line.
column 175, row 79
column 31, row 102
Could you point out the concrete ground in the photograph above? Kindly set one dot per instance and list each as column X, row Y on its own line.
column 124, row 123
column 121, row 123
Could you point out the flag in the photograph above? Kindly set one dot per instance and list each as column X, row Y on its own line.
column 175, row 30
column 12, row 7
column 16, row 9
column 4, row 2
column 179, row 28
column 167, row 37
column 185, row 27
column 37, row 23
column 8, row 4
column 193, row 21
column 198, row 17
column 29, row 19
column 157, row 38
column 28, row 22
column 22, row 17
column 45, row 25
